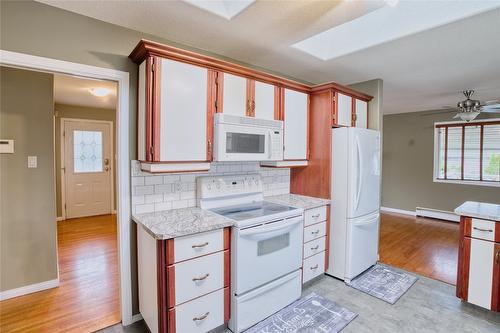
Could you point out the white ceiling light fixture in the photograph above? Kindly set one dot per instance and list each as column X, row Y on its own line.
column 395, row 20
column 224, row 8
column 100, row 92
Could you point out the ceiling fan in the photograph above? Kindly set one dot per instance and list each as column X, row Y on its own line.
column 469, row 109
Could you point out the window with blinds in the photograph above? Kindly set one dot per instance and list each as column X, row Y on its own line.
column 468, row 151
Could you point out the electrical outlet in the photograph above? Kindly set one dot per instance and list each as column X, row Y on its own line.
column 32, row 162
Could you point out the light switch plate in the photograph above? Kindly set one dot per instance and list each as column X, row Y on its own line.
column 32, row 162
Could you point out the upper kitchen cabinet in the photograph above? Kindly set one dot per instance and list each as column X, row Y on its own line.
column 175, row 114
column 295, row 117
column 343, row 110
column 360, row 113
column 246, row 97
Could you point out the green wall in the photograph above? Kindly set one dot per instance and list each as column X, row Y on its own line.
column 28, row 219
column 407, row 173
column 79, row 112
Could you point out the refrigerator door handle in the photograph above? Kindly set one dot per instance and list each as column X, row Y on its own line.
column 367, row 222
column 359, row 177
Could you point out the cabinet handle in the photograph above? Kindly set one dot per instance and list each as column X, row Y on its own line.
column 497, row 257
column 199, row 245
column 315, row 216
column 201, row 317
column 209, row 146
column 201, row 278
column 315, row 247
column 315, row 232
column 314, row 267
column 485, row 230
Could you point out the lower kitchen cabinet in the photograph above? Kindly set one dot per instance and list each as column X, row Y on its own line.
column 184, row 282
column 478, row 278
column 316, row 243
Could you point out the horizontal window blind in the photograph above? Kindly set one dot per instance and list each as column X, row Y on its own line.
column 468, row 151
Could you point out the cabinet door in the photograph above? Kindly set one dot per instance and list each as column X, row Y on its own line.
column 481, row 265
column 234, row 95
column 295, row 114
column 264, row 100
column 344, row 110
column 183, row 105
column 361, row 109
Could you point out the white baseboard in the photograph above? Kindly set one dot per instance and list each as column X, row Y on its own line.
column 396, row 210
column 60, row 218
column 437, row 214
column 136, row 318
column 32, row 288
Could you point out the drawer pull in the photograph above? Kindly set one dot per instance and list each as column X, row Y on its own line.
column 314, row 267
column 195, row 246
column 315, row 247
column 485, row 230
column 201, row 317
column 315, row 232
column 315, row 216
column 497, row 257
column 200, row 278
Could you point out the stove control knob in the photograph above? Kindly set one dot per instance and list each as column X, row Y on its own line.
column 209, row 187
column 218, row 186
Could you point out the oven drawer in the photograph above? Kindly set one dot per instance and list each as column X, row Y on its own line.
column 315, row 215
column 313, row 266
column 483, row 229
column 193, row 246
column 197, row 277
column 315, row 246
column 314, row 231
column 200, row 315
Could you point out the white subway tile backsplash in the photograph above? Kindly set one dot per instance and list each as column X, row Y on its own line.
column 152, row 193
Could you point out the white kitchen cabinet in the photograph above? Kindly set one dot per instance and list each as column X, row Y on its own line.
column 295, row 117
column 235, row 99
column 361, row 112
column 175, row 114
column 315, row 242
column 263, row 104
column 344, row 110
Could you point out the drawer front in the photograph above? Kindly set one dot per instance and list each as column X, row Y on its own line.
column 483, row 229
column 315, row 215
column 314, row 231
column 200, row 315
column 197, row 277
column 313, row 266
column 193, row 246
column 314, row 247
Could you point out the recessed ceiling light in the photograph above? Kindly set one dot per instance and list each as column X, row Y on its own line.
column 223, row 8
column 391, row 22
column 99, row 92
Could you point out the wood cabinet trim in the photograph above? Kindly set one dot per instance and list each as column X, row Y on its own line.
column 156, row 109
column 212, row 78
column 334, row 107
column 170, row 286
column 495, row 292
column 171, row 321
column 162, row 283
column 464, row 263
column 354, row 117
column 170, row 256
column 342, row 89
column 250, row 99
column 278, row 102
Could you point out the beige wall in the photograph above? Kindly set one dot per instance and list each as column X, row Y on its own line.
column 28, row 219
column 407, row 175
column 78, row 112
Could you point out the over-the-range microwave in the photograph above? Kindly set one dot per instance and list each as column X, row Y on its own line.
column 247, row 139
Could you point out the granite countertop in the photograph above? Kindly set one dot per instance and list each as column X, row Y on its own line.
column 180, row 222
column 298, row 201
column 480, row 210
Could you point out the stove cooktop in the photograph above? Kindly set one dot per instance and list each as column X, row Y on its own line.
column 262, row 210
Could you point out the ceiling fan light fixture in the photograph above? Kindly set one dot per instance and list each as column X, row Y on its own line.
column 468, row 116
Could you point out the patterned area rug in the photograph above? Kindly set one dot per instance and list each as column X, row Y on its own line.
column 384, row 282
column 310, row 314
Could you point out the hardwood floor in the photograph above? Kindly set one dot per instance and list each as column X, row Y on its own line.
column 87, row 298
column 425, row 246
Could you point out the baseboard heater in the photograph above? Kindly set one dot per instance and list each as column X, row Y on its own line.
column 437, row 214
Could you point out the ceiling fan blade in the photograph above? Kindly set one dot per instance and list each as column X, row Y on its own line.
column 491, row 110
column 456, row 116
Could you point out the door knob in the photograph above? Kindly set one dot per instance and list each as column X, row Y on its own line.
column 106, row 161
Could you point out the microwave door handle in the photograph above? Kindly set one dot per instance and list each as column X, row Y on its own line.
column 270, row 145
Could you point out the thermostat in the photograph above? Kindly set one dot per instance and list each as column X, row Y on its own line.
column 6, row 146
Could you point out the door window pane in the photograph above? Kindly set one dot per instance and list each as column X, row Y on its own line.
column 472, row 152
column 87, row 151
column 491, row 153
column 454, row 158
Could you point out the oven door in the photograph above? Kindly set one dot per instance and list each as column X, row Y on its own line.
column 266, row 252
column 242, row 143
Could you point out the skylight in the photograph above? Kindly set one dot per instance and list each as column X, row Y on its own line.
column 223, row 8
column 391, row 22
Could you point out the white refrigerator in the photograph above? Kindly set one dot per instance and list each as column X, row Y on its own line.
column 355, row 193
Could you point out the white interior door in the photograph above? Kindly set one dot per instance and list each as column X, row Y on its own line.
column 364, row 172
column 87, row 168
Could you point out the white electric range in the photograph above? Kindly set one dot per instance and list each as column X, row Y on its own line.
column 266, row 247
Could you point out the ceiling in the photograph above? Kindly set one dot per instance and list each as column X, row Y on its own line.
column 423, row 71
column 73, row 90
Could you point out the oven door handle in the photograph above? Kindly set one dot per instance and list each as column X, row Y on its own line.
column 272, row 229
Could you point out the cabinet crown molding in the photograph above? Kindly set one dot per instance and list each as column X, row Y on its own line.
column 146, row 48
